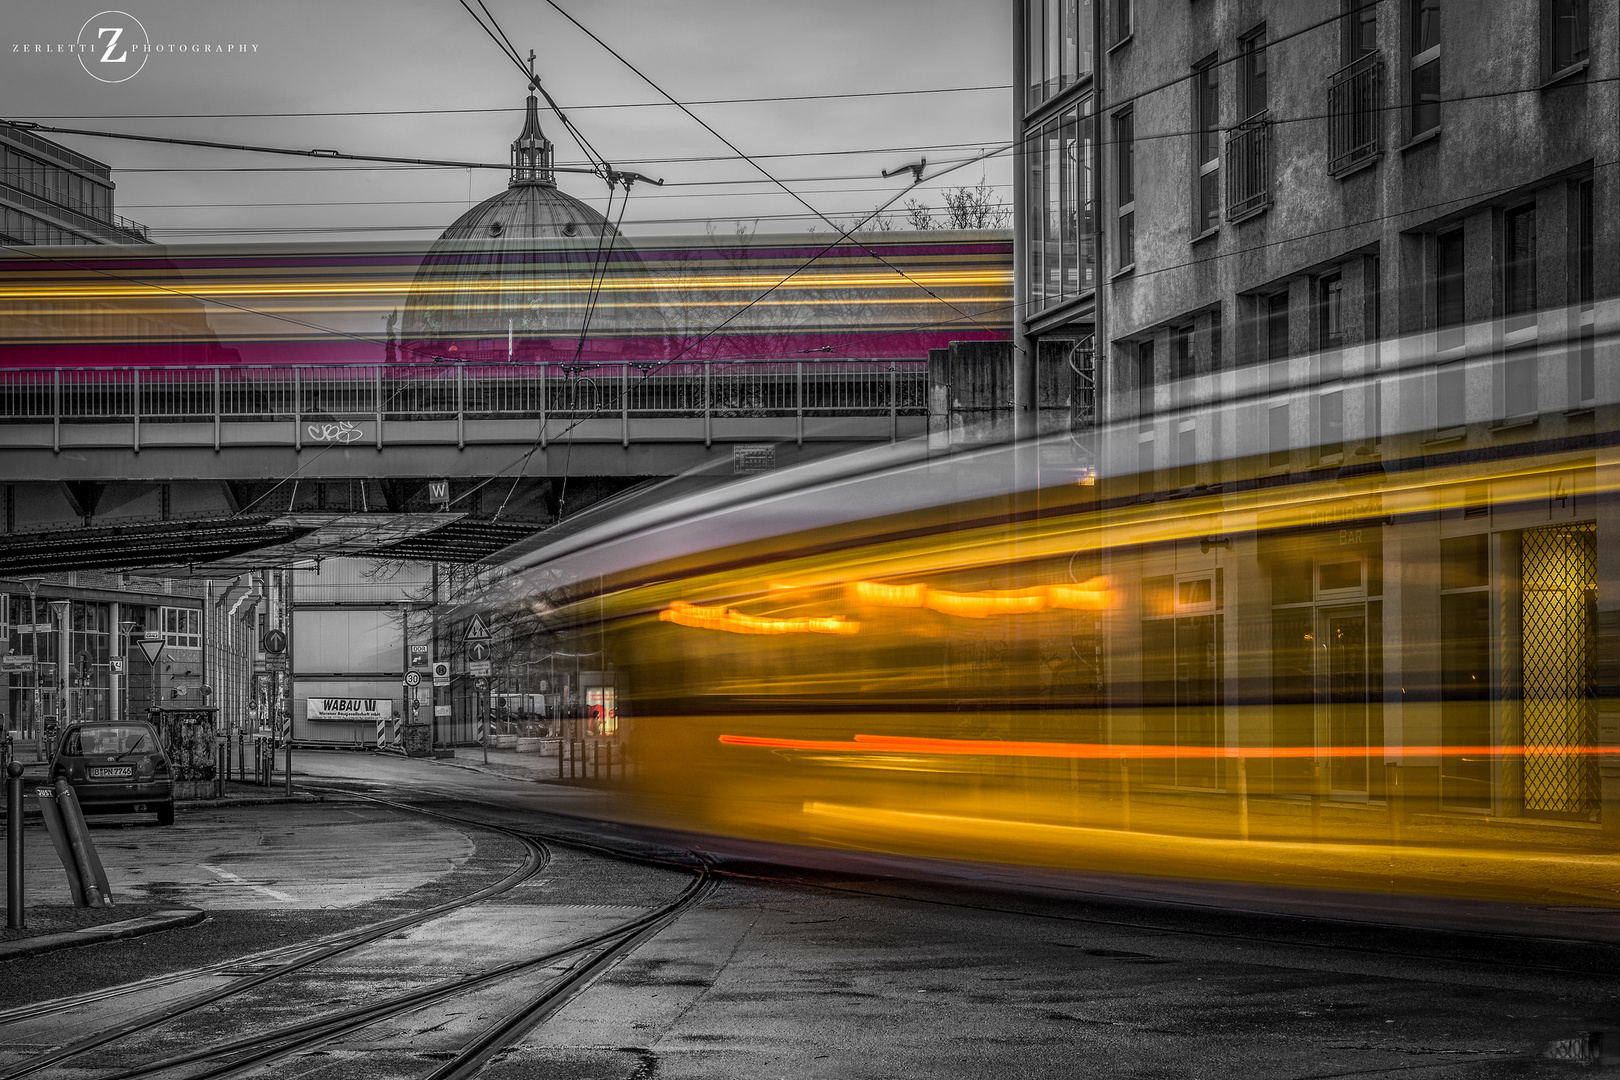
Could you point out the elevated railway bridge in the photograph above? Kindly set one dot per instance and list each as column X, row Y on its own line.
column 136, row 466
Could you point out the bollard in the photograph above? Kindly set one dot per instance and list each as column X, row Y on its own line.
column 559, row 757
column 84, row 858
column 288, row 788
column 224, row 756
column 14, row 846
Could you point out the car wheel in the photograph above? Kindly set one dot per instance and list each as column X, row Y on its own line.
column 165, row 813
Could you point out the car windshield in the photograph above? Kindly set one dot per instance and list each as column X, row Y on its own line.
column 108, row 740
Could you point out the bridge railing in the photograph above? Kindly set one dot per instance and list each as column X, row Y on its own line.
column 400, row 392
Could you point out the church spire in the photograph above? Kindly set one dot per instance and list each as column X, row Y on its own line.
column 531, row 150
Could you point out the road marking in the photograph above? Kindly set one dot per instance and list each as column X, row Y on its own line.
column 229, row 878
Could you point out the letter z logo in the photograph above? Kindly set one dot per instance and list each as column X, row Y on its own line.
column 115, row 33
column 105, row 43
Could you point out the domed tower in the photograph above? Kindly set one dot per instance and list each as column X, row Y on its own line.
column 512, row 278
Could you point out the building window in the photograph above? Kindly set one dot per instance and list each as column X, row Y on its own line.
column 1585, row 283
column 1206, row 147
column 1122, row 19
column 1566, row 39
column 1062, row 262
column 1330, row 311
column 1252, row 49
column 1276, row 340
column 1360, row 29
column 1330, row 421
column 1465, row 671
column 1144, row 380
column 1519, row 260
column 1181, row 352
column 1450, row 399
column 182, row 627
column 1187, row 455
column 1182, row 637
column 1355, row 92
column 1125, row 162
column 1423, row 61
column 1248, row 147
column 1277, row 426
column 1448, row 279
column 1058, row 35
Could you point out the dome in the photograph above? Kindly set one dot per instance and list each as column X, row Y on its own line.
column 518, row 276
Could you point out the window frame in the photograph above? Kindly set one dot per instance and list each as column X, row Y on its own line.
column 1442, row 278
column 178, row 623
column 1124, row 124
column 1329, row 295
column 1518, row 267
column 1554, row 67
column 1418, row 61
column 1355, row 15
column 1253, row 87
column 1206, row 124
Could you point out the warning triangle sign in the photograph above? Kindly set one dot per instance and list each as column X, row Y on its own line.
column 477, row 629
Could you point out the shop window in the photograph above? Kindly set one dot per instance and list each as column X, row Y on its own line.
column 601, row 710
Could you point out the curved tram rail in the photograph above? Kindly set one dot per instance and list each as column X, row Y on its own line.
column 593, row 954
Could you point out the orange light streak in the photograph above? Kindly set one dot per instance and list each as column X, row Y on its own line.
column 996, row 748
column 1091, row 595
column 719, row 618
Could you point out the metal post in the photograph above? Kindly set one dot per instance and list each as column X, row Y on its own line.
column 288, row 778
column 624, row 404
column 135, row 407
column 56, row 410
column 377, row 399
column 545, row 397
column 798, row 396
column 298, row 411
column 708, row 428
column 222, row 752
column 14, row 846
column 894, row 402
column 216, row 410
column 461, row 408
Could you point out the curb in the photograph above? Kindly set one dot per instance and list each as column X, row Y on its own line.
column 93, row 935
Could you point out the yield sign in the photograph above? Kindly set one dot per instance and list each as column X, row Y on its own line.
column 477, row 629
column 152, row 649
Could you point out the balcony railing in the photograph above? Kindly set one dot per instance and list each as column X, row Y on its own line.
column 1248, row 167
column 1355, row 92
column 77, row 215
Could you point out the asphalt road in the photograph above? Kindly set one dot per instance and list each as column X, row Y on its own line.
column 833, row 972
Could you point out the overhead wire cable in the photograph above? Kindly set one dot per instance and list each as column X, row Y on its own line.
column 729, row 144
column 514, row 109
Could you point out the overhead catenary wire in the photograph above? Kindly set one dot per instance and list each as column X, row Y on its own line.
column 729, row 144
column 515, row 109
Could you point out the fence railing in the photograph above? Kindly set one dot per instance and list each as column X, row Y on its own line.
column 1354, row 93
column 1248, row 167
column 401, row 393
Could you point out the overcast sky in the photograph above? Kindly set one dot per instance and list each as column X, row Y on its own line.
column 423, row 59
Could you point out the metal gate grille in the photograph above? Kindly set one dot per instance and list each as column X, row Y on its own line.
column 1560, row 720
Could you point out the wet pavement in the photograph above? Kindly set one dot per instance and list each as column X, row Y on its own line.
column 835, row 973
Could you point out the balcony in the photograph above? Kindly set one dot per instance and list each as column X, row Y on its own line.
column 1248, row 167
column 1354, row 94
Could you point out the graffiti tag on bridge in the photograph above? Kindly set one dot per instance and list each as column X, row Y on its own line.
column 340, row 433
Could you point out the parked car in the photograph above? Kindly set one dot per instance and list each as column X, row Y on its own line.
column 116, row 768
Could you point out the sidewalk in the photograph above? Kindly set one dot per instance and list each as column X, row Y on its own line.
column 58, row 927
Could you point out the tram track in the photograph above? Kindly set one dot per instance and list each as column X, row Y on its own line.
column 592, row 955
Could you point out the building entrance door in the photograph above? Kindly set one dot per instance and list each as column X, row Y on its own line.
column 1345, row 633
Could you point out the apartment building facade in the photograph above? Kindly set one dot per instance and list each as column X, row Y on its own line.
column 1356, row 255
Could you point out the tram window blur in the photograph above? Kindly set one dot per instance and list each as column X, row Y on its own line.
column 1181, row 679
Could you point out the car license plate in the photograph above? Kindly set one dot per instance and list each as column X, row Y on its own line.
column 112, row 772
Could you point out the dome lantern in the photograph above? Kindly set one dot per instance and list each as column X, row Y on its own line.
column 531, row 150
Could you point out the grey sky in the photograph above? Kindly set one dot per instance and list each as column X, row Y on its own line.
column 358, row 55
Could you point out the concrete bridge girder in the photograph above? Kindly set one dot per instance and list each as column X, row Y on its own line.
column 269, row 450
